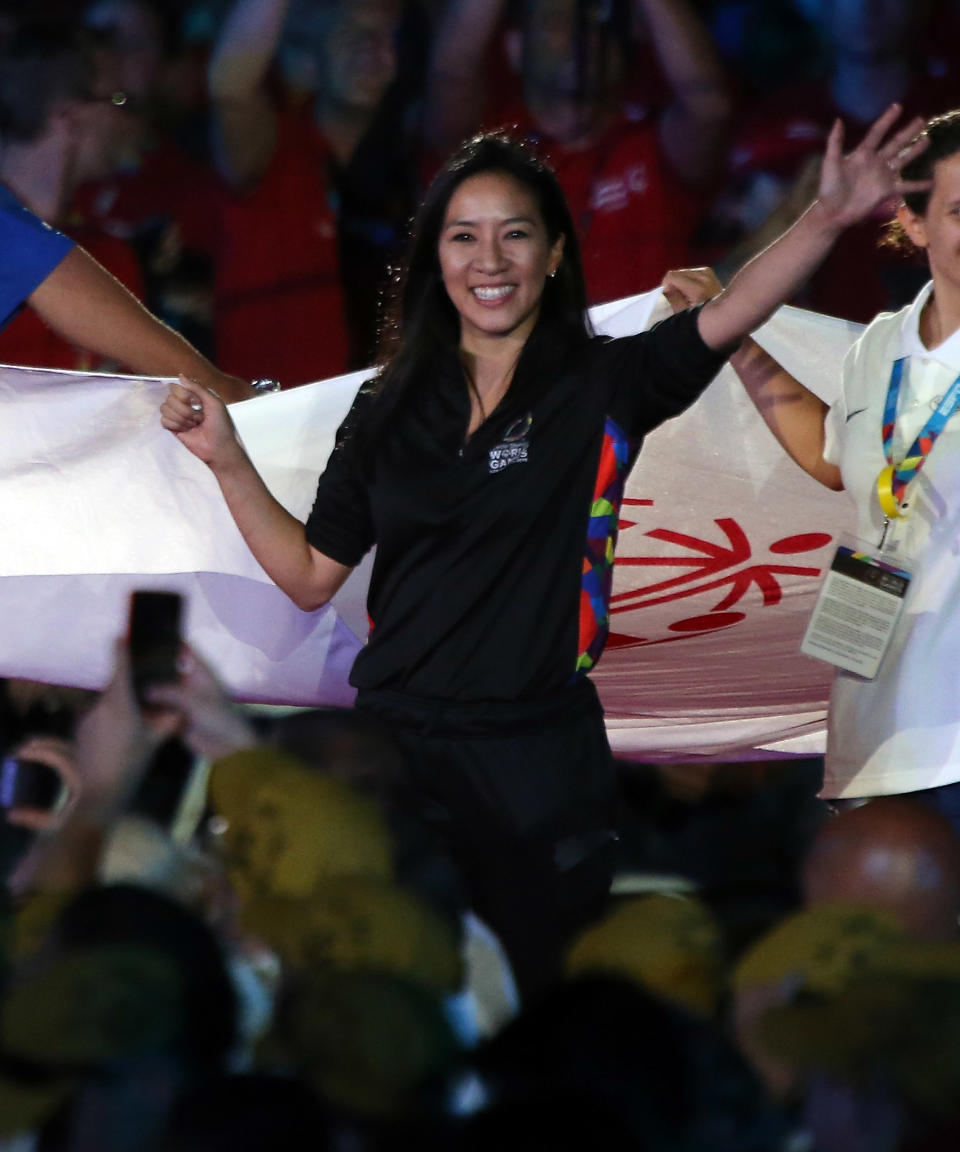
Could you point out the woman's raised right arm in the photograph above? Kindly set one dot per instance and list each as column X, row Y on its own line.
column 277, row 540
column 851, row 186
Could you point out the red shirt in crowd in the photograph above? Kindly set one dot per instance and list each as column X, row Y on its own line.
column 635, row 219
column 168, row 186
column 278, row 298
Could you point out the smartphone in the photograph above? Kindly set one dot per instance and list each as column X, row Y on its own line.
column 154, row 639
column 29, row 784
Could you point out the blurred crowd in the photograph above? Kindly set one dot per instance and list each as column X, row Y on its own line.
column 225, row 929
column 232, row 929
column 249, row 168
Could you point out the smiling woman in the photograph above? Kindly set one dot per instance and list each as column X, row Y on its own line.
column 487, row 461
column 494, row 256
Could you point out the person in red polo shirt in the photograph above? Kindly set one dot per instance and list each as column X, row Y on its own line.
column 320, row 188
column 633, row 159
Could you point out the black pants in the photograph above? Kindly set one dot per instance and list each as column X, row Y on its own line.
column 522, row 797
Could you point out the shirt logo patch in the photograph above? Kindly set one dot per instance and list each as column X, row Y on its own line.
column 514, row 448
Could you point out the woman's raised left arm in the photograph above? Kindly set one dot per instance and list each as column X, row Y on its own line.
column 851, row 185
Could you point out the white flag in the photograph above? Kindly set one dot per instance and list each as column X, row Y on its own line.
column 722, row 547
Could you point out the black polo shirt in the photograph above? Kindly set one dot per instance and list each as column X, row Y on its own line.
column 495, row 557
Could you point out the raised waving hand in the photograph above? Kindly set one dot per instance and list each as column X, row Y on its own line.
column 852, row 184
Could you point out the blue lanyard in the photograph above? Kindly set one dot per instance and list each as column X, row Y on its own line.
column 893, row 480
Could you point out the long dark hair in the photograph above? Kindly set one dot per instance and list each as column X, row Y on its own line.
column 421, row 326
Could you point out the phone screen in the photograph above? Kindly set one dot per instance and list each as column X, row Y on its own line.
column 154, row 638
column 29, row 784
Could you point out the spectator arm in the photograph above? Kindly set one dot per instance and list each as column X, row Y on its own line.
column 456, row 93
column 693, row 127
column 244, row 119
column 84, row 304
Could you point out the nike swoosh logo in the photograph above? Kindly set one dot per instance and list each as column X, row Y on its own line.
column 856, row 412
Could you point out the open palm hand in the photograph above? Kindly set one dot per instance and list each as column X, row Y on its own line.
column 853, row 184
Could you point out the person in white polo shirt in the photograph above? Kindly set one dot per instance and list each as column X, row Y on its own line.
column 892, row 441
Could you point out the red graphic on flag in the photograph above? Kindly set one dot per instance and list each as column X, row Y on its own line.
column 727, row 565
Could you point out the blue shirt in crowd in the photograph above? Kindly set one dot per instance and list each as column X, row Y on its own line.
column 31, row 250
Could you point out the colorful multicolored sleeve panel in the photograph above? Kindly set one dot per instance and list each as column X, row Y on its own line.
column 597, row 580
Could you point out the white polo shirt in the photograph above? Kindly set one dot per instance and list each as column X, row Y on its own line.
column 901, row 731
